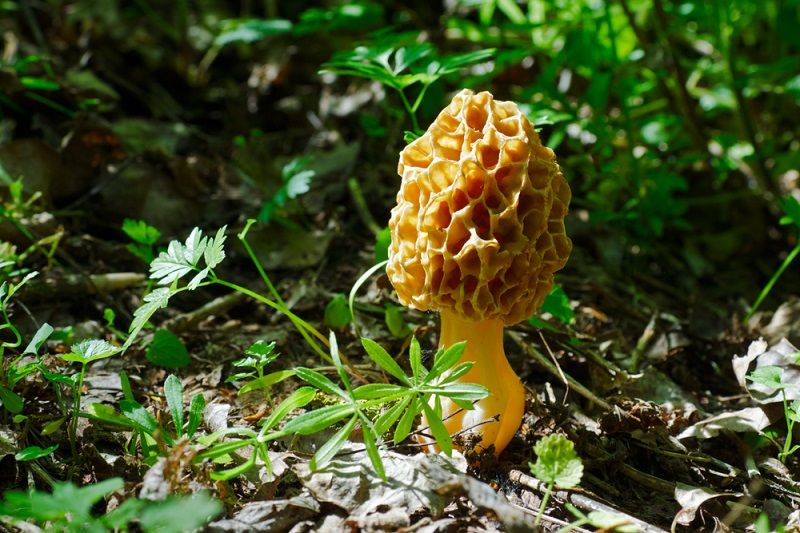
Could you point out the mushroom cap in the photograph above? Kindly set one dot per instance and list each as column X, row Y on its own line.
column 479, row 222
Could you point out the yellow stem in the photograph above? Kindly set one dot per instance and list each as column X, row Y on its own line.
column 506, row 394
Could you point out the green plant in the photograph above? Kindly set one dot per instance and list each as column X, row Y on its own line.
column 400, row 65
column 772, row 377
column 152, row 432
column 16, row 210
column 791, row 210
column 374, row 407
column 200, row 255
column 69, row 509
column 258, row 356
column 556, row 464
column 295, row 181
column 84, row 352
column 13, row 370
column 144, row 237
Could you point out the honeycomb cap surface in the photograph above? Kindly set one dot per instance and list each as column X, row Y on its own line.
column 479, row 222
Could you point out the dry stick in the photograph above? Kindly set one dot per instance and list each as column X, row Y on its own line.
column 553, row 369
column 185, row 321
column 581, row 501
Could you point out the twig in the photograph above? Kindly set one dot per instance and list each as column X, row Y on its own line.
column 581, row 501
column 216, row 306
column 569, row 380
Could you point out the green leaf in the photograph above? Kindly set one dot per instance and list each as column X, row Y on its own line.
column 12, row 401
column 158, row 299
column 370, row 437
column 337, row 313
column 318, row 419
column 415, row 359
column 39, row 338
column 90, row 350
column 395, row 321
column 231, row 473
column 371, row 391
column 319, row 381
column 383, row 240
column 38, row 84
column 263, row 350
column 196, row 408
column 446, row 359
column 437, row 429
column 557, row 304
column 299, row 398
column 457, row 371
column 140, row 231
column 333, row 445
column 382, row 358
column 467, row 392
column 142, row 420
column 34, row 452
column 557, row 462
column 391, row 415
column 407, row 421
column 215, row 251
column 267, row 381
column 179, row 514
column 53, row 426
column 769, row 376
column 167, row 350
column 173, row 392
column 250, row 30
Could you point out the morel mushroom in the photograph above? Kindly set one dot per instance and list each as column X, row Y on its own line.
column 477, row 233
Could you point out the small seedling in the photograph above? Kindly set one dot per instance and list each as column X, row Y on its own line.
column 772, row 377
column 258, row 356
column 144, row 237
column 557, row 465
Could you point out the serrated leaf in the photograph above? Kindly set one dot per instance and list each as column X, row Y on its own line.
column 214, row 253
column 158, row 299
column 769, row 376
column 173, row 392
column 557, row 462
column 90, row 350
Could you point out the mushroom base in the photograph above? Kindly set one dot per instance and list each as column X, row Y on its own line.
column 506, row 398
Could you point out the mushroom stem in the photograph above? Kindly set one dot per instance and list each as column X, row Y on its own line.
column 491, row 369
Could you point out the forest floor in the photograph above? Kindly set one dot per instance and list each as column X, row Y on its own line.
column 646, row 360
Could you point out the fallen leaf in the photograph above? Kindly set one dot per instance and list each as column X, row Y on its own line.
column 751, row 419
column 690, row 499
